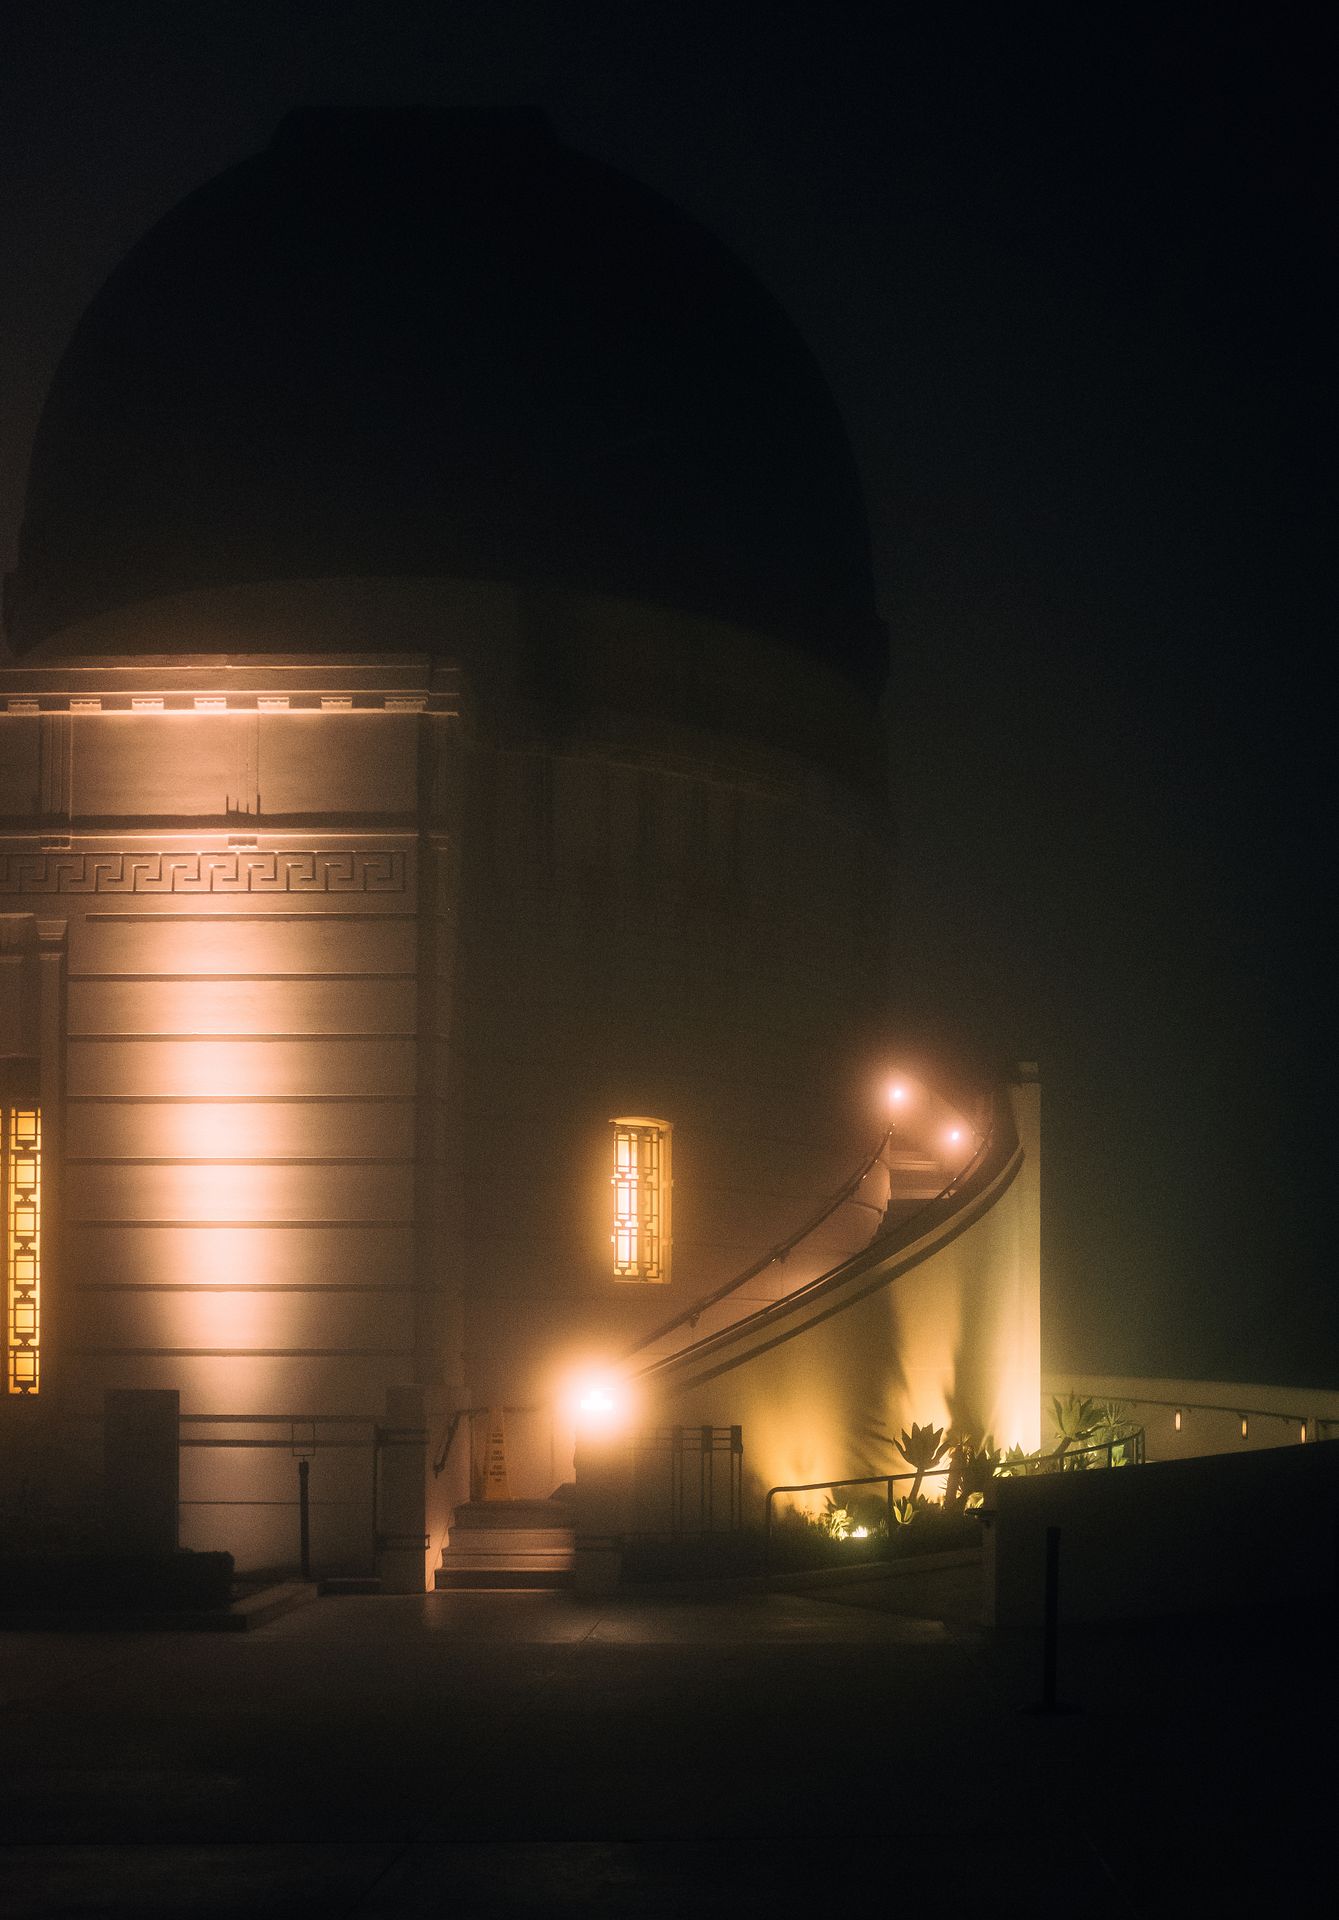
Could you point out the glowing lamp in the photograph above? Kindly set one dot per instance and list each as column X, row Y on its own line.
column 1176, row 1420
column 897, row 1095
column 1302, row 1433
column 600, row 1403
column 860, row 1533
column 1245, row 1426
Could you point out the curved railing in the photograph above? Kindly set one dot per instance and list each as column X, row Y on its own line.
column 971, row 1192
column 690, row 1316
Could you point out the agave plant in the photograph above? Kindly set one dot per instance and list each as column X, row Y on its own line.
column 838, row 1522
column 1114, row 1420
column 972, row 1466
column 1076, row 1421
column 960, row 1452
column 922, row 1448
column 979, row 1471
column 1015, row 1461
column 906, row 1509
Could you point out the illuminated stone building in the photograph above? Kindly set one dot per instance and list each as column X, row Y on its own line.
column 441, row 724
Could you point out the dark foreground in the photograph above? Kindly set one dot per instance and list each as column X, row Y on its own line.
column 482, row 1754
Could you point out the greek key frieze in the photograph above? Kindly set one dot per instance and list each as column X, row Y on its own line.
column 241, row 870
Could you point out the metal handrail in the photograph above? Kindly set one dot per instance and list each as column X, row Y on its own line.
column 277, row 1419
column 1002, row 1470
column 1239, row 1410
column 302, row 1444
column 861, row 1480
column 690, row 1315
column 453, row 1427
column 899, row 1233
column 1040, row 1463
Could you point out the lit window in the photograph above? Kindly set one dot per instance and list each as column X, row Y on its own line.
column 641, row 1182
column 21, row 1224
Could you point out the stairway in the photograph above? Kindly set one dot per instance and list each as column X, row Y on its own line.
column 508, row 1543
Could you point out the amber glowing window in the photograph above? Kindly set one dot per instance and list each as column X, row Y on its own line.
column 21, row 1191
column 641, row 1182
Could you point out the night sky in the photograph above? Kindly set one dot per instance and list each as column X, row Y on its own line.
column 1070, row 274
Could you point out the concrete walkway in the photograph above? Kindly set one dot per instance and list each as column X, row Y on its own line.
column 480, row 1754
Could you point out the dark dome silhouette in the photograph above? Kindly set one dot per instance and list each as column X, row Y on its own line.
column 407, row 342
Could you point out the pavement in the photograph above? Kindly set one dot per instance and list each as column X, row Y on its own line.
column 480, row 1754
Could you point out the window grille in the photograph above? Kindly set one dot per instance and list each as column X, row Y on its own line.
column 641, row 1182
column 21, row 1188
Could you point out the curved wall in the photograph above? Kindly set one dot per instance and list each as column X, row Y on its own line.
column 944, row 1328
column 355, row 987
column 640, row 939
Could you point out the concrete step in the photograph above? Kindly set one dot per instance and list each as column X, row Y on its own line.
column 516, row 1557
column 518, row 1515
column 506, row 1580
column 507, row 1543
column 510, row 1539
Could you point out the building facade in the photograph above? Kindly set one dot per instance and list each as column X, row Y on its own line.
column 444, row 857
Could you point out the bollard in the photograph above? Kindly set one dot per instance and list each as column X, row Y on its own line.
column 1050, row 1630
column 1050, row 1620
column 304, row 1519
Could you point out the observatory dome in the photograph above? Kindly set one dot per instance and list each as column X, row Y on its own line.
column 417, row 343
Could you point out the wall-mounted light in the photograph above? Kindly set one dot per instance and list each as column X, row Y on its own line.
column 1176, row 1421
column 21, row 1244
column 642, row 1184
column 1245, row 1426
column 1302, row 1433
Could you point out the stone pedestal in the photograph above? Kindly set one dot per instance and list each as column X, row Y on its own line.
column 602, row 1511
column 401, row 1512
column 140, row 1468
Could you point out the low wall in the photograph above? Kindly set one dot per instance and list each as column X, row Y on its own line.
column 1211, row 1412
column 1174, row 1536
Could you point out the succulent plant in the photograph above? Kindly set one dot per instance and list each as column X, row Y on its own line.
column 922, row 1448
column 1076, row 1421
column 972, row 1466
column 839, row 1522
column 1113, row 1420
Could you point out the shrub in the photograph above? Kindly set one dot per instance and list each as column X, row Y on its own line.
column 116, row 1582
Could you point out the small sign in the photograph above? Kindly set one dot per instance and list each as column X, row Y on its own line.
column 493, row 1478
